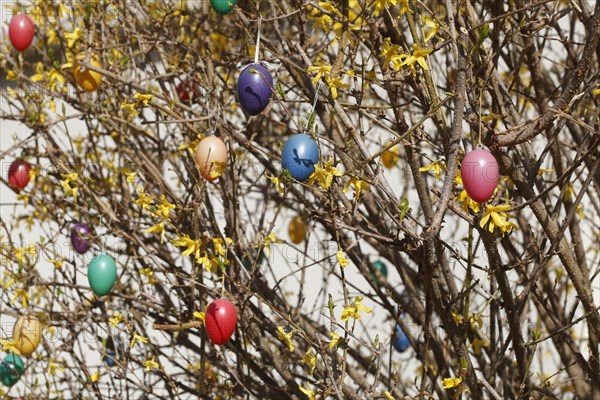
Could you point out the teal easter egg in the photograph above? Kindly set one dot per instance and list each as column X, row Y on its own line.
column 381, row 268
column 102, row 274
column 11, row 369
column 223, row 7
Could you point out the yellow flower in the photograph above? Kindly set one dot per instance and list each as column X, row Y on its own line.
column 437, row 168
column 432, row 23
column 193, row 246
column 143, row 199
column 388, row 395
column 389, row 51
column 116, row 319
column 131, row 177
column 143, row 98
column 449, row 383
column 220, row 246
column 271, row 238
column 9, row 345
column 23, row 295
column 277, row 182
column 334, row 83
column 286, row 337
column 95, row 377
column 324, row 175
column 130, row 108
column 310, row 360
column 164, row 209
column 335, row 340
column 354, row 309
column 73, row 37
column 359, row 186
column 151, row 364
column 342, row 259
column 311, row 394
column 200, row 315
column 57, row 263
column 137, row 338
column 52, row 368
column 321, row 70
column 382, row 4
column 496, row 216
column 417, row 56
column 158, row 228
column 211, row 264
column 404, row 7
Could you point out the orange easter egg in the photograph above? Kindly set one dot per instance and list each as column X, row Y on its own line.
column 211, row 157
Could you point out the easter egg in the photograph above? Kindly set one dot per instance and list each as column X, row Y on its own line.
column 21, row 31
column 211, row 157
column 112, row 347
column 390, row 157
column 223, row 7
column 479, row 173
column 220, row 321
column 80, row 236
column 380, row 267
column 248, row 261
column 11, row 369
column 297, row 229
column 401, row 343
column 27, row 334
column 102, row 274
column 299, row 156
column 18, row 174
column 254, row 88
column 88, row 80
column 187, row 91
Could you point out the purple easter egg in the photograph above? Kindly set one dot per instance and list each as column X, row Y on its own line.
column 80, row 234
column 479, row 173
column 254, row 88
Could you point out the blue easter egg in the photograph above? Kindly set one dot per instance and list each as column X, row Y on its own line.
column 401, row 343
column 11, row 369
column 299, row 156
column 111, row 354
column 102, row 274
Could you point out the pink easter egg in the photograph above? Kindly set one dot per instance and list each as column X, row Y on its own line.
column 479, row 172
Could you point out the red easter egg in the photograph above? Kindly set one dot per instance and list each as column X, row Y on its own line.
column 479, row 173
column 220, row 321
column 21, row 31
column 18, row 174
column 187, row 91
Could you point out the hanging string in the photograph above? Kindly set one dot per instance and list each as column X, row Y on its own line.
column 257, row 48
column 314, row 105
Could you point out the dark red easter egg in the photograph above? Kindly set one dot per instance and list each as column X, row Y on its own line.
column 18, row 174
column 220, row 321
column 21, row 31
column 255, row 88
column 187, row 91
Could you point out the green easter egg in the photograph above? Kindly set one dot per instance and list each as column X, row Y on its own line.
column 102, row 274
column 11, row 369
column 223, row 7
column 381, row 268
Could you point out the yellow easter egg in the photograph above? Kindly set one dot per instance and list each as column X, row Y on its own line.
column 88, row 80
column 297, row 229
column 390, row 157
column 27, row 335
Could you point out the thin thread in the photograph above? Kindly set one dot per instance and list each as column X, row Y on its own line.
column 257, row 40
column 314, row 106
